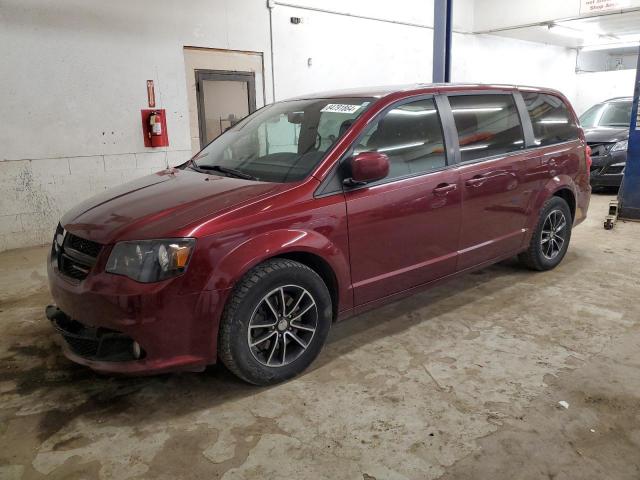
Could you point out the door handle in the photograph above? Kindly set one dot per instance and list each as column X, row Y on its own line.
column 444, row 188
column 551, row 162
column 476, row 181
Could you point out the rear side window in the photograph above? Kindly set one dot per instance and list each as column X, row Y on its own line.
column 411, row 136
column 487, row 125
column 550, row 118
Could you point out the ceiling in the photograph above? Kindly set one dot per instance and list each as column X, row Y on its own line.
column 617, row 29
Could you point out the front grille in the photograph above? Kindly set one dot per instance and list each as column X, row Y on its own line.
column 72, row 268
column 75, row 256
column 600, row 149
column 84, row 246
column 82, row 346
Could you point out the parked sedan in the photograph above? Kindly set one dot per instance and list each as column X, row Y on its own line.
column 606, row 128
column 309, row 211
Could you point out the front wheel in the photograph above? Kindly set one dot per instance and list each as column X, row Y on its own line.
column 275, row 323
column 550, row 239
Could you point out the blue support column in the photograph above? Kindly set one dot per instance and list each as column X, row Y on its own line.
column 630, row 191
column 442, row 41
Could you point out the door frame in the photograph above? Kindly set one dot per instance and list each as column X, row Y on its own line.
column 221, row 75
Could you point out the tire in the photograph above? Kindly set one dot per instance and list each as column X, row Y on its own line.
column 256, row 341
column 545, row 251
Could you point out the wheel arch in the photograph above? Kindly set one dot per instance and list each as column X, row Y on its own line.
column 324, row 270
column 560, row 186
column 568, row 196
column 307, row 247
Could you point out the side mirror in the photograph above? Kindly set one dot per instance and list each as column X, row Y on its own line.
column 367, row 167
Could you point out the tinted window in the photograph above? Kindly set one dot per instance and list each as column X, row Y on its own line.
column 411, row 135
column 487, row 125
column 550, row 118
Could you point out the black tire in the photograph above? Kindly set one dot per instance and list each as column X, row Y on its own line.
column 542, row 255
column 254, row 303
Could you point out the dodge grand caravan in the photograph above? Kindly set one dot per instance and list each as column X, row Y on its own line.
column 309, row 211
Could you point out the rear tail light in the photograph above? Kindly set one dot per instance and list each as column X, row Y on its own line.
column 587, row 155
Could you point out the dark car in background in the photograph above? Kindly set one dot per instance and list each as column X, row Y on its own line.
column 606, row 127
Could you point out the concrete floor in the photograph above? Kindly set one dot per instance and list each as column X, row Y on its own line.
column 459, row 382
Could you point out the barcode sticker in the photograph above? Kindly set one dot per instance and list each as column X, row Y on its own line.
column 341, row 108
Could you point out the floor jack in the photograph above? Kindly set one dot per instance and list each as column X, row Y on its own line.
column 611, row 219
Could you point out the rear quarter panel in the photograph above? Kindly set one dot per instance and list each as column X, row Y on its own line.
column 562, row 166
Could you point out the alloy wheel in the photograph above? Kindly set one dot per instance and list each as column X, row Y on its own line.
column 282, row 326
column 553, row 235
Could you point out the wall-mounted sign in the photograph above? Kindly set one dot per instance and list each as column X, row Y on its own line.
column 151, row 94
column 595, row 6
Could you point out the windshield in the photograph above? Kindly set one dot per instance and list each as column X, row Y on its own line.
column 282, row 142
column 613, row 114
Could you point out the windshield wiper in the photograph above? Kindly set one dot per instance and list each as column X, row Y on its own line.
column 232, row 172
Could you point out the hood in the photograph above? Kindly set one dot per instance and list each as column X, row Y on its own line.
column 606, row 134
column 157, row 205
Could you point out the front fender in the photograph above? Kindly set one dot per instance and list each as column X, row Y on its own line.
column 279, row 242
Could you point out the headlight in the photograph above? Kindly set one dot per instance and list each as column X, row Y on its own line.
column 620, row 146
column 151, row 260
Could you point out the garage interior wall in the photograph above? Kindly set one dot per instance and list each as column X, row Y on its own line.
column 74, row 78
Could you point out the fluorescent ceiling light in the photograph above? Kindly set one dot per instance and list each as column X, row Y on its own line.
column 587, row 35
column 610, row 46
column 566, row 31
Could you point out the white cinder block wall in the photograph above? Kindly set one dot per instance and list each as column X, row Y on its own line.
column 73, row 80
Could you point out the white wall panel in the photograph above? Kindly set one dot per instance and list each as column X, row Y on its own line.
column 346, row 52
column 409, row 11
column 598, row 86
column 492, row 59
column 75, row 72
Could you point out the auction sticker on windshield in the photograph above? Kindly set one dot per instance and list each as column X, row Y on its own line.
column 340, row 108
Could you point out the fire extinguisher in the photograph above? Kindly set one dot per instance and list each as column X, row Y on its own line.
column 155, row 129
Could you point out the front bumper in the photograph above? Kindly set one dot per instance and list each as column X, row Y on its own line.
column 604, row 169
column 102, row 315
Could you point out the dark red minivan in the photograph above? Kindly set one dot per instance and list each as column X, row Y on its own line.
column 311, row 210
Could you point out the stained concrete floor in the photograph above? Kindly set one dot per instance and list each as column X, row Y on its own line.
column 460, row 382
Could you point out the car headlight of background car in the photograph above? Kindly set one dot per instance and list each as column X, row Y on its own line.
column 151, row 260
column 620, row 146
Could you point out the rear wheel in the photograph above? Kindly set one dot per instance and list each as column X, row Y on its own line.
column 275, row 322
column 551, row 236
